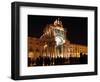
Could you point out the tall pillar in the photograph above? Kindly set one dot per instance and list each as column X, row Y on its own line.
column 61, row 52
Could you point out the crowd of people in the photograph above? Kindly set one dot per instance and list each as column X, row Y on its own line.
column 49, row 61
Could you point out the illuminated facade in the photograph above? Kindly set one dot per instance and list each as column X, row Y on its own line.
column 54, row 43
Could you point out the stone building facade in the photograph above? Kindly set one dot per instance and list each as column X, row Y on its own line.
column 54, row 43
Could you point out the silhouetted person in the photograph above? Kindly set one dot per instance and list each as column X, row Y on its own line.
column 29, row 61
column 52, row 61
column 49, row 60
column 83, row 58
column 39, row 61
column 60, row 61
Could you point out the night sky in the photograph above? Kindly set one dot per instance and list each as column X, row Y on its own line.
column 76, row 27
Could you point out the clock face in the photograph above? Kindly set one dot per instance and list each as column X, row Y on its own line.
column 59, row 40
column 59, row 37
